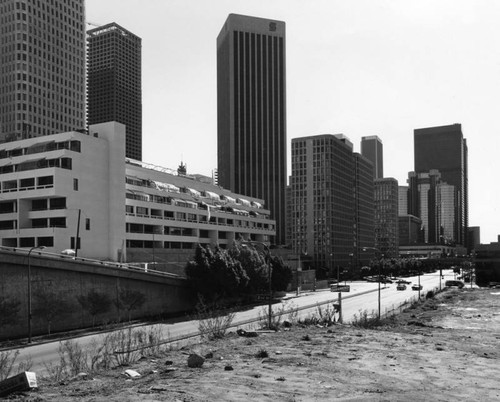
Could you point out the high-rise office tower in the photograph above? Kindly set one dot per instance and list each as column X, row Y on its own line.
column 373, row 150
column 386, row 216
column 433, row 201
column 42, row 64
column 444, row 148
column 251, row 111
column 331, row 201
column 114, row 82
column 364, row 221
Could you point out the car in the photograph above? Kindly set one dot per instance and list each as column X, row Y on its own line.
column 403, row 282
column 452, row 283
column 401, row 286
column 416, row 287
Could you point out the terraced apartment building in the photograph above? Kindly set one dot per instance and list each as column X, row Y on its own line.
column 77, row 190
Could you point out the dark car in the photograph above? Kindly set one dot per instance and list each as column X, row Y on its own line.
column 403, row 282
column 401, row 286
column 452, row 283
column 416, row 287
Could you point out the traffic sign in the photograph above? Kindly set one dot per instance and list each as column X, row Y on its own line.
column 340, row 288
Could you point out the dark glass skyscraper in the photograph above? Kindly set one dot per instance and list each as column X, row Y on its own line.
column 444, row 149
column 114, row 82
column 42, row 67
column 251, row 111
column 373, row 150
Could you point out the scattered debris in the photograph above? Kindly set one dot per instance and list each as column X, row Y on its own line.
column 131, row 373
column 195, row 361
column 242, row 332
column 21, row 382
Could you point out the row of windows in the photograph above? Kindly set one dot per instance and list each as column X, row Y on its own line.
column 64, row 163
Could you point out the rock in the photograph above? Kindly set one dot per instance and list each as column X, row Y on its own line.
column 169, row 363
column 242, row 332
column 228, row 368
column 209, row 355
column 195, row 361
column 287, row 324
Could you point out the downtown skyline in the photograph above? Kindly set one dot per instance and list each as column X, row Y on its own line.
column 360, row 69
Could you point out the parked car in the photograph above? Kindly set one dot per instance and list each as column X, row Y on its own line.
column 401, row 286
column 404, row 282
column 452, row 283
column 416, row 287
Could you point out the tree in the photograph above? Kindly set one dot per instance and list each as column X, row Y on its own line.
column 50, row 306
column 130, row 300
column 215, row 274
column 9, row 311
column 254, row 265
column 281, row 274
column 95, row 303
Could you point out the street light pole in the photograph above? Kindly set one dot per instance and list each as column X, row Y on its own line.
column 379, row 278
column 29, row 290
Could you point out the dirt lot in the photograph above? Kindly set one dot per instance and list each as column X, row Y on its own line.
column 446, row 349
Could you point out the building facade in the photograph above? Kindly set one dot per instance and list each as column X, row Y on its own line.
column 372, row 149
column 251, row 111
column 409, row 230
column 364, row 222
column 433, row 201
column 444, row 149
column 42, row 65
column 403, row 200
column 114, row 90
column 76, row 190
column 386, row 216
column 327, row 187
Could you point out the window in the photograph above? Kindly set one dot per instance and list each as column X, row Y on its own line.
column 87, row 224
column 75, row 184
column 46, row 241
column 72, row 245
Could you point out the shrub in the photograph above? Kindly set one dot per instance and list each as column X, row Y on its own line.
column 213, row 320
column 364, row 320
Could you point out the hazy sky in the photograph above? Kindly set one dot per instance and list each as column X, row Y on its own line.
column 359, row 68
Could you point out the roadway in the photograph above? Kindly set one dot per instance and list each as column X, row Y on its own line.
column 363, row 296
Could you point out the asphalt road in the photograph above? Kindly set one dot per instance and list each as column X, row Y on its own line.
column 363, row 296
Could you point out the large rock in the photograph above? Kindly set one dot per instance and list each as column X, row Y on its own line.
column 195, row 361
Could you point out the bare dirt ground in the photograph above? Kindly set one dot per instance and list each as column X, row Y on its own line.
column 444, row 349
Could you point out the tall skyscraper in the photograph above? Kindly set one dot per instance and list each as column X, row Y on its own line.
column 114, row 82
column 386, row 216
column 433, row 201
column 331, row 201
column 42, row 64
column 444, row 148
column 373, row 150
column 364, row 221
column 251, row 111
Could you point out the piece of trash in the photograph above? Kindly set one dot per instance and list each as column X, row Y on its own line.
column 21, row 382
column 132, row 373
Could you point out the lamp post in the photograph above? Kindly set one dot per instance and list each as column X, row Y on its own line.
column 379, row 278
column 29, row 290
column 269, row 276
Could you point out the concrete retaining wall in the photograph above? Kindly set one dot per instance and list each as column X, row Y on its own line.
column 66, row 279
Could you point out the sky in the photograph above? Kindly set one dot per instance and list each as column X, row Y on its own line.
column 354, row 67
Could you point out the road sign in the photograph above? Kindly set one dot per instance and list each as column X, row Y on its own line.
column 340, row 288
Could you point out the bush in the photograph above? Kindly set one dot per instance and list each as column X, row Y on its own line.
column 364, row 320
column 213, row 320
column 278, row 313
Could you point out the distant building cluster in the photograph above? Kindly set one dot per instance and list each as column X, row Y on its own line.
column 72, row 176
